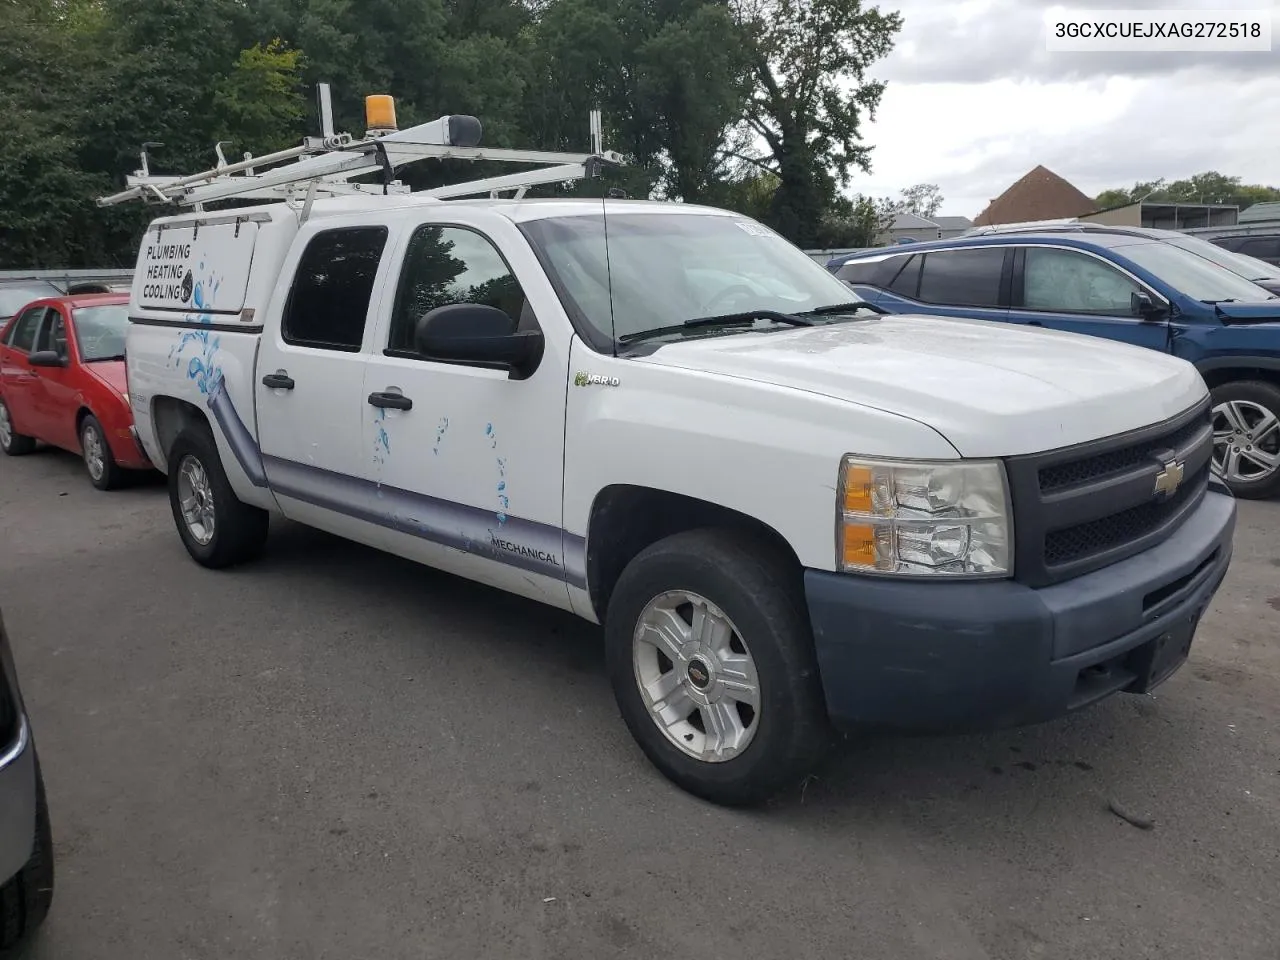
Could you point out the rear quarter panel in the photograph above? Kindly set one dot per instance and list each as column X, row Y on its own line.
column 201, row 350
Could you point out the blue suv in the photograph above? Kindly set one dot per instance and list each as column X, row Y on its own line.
column 1121, row 283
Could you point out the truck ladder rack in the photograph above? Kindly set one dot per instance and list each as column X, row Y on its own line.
column 325, row 166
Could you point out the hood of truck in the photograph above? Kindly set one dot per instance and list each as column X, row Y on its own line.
column 992, row 389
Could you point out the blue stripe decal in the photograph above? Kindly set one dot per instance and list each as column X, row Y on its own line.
column 525, row 544
column 239, row 439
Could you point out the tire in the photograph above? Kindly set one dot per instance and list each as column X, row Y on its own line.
column 99, row 462
column 760, row 597
column 239, row 530
column 1247, row 414
column 13, row 444
column 25, row 899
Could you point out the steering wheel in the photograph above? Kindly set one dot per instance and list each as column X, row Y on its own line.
column 731, row 292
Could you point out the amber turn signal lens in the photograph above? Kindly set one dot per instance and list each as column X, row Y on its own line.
column 859, row 545
column 858, row 484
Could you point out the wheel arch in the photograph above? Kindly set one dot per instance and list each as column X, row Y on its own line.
column 625, row 519
column 1221, row 370
column 170, row 416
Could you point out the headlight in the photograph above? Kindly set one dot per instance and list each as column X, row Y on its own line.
column 940, row 518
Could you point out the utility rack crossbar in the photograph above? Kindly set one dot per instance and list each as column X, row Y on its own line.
column 326, row 165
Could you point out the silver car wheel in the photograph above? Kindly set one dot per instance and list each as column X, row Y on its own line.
column 6, row 427
column 696, row 676
column 1246, row 441
column 195, row 494
column 95, row 456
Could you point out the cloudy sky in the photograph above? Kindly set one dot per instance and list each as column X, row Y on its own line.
column 974, row 101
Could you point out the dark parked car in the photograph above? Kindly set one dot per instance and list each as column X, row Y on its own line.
column 26, row 840
column 1263, row 246
column 1125, row 284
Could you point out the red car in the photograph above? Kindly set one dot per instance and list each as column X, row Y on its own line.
column 62, row 381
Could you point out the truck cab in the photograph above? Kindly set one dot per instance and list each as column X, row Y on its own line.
column 791, row 515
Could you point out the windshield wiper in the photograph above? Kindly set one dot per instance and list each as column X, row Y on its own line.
column 744, row 319
column 114, row 356
column 841, row 308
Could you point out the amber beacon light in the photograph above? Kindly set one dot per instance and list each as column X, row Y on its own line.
column 380, row 113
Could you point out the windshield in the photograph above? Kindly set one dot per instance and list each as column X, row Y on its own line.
column 664, row 269
column 14, row 297
column 1192, row 274
column 1251, row 268
column 100, row 331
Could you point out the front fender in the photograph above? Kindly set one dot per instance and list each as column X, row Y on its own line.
column 767, row 451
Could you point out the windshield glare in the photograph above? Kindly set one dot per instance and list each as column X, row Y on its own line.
column 1251, row 268
column 667, row 268
column 100, row 331
column 1191, row 274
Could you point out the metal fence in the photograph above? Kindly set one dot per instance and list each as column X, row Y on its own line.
column 64, row 278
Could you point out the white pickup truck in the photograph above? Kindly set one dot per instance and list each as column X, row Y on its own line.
column 790, row 513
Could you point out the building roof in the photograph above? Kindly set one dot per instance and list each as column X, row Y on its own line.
column 911, row 221
column 1040, row 195
column 953, row 223
column 1261, row 211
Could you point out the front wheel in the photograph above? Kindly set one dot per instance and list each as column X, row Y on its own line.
column 711, row 661
column 1246, row 437
column 217, row 528
column 104, row 472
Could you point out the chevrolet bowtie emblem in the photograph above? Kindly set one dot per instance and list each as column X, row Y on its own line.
column 1167, row 480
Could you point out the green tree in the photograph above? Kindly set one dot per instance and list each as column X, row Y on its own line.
column 259, row 104
column 809, row 93
column 53, row 65
column 667, row 75
column 1208, row 187
column 166, row 59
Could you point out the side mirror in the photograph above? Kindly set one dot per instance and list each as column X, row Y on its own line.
column 478, row 334
column 1143, row 306
column 46, row 358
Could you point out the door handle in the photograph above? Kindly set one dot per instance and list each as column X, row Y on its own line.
column 1034, row 323
column 278, row 381
column 392, row 401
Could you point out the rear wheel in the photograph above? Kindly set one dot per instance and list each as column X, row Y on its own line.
column 11, row 442
column 217, row 529
column 25, row 900
column 711, row 660
column 104, row 472
column 1246, row 437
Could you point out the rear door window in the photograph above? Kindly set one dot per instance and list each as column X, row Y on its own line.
column 22, row 335
column 907, row 281
column 963, row 278
column 329, row 303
